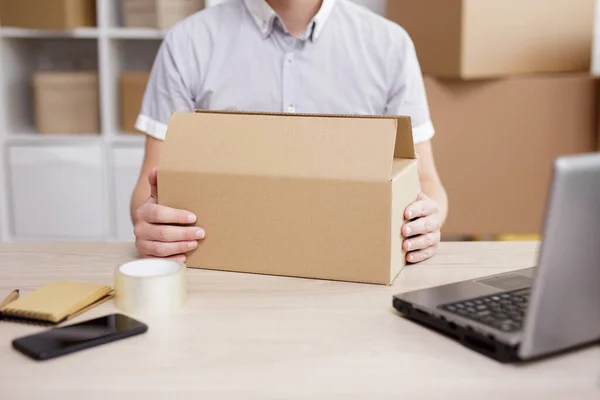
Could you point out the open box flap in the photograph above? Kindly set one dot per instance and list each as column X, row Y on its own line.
column 277, row 144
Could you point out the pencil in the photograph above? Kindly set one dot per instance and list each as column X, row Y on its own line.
column 10, row 298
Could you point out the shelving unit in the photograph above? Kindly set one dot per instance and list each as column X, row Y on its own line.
column 72, row 187
column 69, row 186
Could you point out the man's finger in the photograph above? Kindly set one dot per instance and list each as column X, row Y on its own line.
column 420, row 226
column 153, row 180
column 180, row 257
column 160, row 249
column 421, row 208
column 168, row 233
column 421, row 255
column 157, row 214
column 422, row 241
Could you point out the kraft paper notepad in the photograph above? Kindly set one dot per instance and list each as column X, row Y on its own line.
column 57, row 302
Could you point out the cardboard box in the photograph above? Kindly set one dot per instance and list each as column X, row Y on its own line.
column 160, row 14
column 132, row 86
column 48, row 14
column 66, row 102
column 497, row 140
column 310, row 196
column 493, row 38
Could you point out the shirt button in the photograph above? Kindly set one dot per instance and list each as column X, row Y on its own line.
column 290, row 57
column 291, row 109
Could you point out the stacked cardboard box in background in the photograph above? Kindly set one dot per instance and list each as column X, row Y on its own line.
column 496, row 141
column 510, row 89
column 48, row 14
column 475, row 39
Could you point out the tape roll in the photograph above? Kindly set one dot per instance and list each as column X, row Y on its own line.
column 150, row 286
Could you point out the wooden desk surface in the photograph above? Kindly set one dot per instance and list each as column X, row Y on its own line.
column 260, row 337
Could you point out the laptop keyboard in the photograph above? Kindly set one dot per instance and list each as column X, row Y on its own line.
column 503, row 311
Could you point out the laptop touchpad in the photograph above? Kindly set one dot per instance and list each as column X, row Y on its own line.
column 507, row 282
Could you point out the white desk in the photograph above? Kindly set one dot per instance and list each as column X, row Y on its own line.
column 261, row 337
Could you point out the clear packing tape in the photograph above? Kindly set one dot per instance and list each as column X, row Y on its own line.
column 150, row 286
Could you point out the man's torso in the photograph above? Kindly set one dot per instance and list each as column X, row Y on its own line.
column 342, row 71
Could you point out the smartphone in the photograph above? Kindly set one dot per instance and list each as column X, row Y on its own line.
column 83, row 335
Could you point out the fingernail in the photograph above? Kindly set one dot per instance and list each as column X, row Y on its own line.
column 410, row 214
column 192, row 245
column 191, row 218
column 408, row 230
column 409, row 245
column 200, row 234
column 182, row 259
column 411, row 257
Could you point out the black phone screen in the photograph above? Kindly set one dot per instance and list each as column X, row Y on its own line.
column 68, row 339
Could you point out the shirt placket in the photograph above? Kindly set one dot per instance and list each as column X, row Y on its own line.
column 290, row 79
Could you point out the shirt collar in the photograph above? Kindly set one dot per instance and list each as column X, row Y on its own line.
column 264, row 17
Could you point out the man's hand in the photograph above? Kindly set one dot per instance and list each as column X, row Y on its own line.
column 162, row 231
column 422, row 231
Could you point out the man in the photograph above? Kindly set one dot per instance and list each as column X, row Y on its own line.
column 304, row 56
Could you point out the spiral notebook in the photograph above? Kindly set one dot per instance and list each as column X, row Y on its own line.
column 57, row 302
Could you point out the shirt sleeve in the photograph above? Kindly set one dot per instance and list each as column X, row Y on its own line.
column 407, row 94
column 168, row 90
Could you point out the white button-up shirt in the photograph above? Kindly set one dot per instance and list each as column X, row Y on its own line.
column 238, row 55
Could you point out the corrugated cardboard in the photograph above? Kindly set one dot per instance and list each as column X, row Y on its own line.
column 66, row 102
column 160, row 14
column 48, row 14
column 132, row 86
column 496, row 142
column 492, row 38
column 309, row 196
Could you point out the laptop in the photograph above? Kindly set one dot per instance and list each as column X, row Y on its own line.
column 534, row 312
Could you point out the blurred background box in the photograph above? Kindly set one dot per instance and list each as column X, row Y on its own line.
column 66, row 102
column 48, row 14
column 496, row 142
column 160, row 14
column 475, row 38
column 132, row 86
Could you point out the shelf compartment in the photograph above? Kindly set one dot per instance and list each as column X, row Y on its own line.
column 22, row 57
column 57, row 192
column 128, row 55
